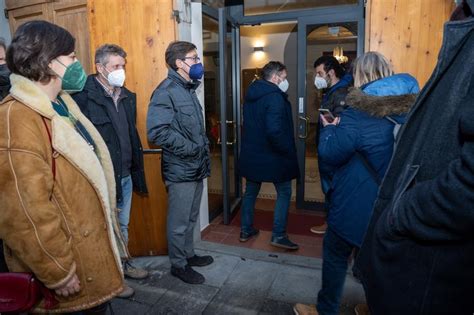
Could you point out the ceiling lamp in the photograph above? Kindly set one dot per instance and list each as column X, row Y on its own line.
column 338, row 53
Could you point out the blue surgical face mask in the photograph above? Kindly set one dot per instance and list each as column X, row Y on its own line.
column 196, row 71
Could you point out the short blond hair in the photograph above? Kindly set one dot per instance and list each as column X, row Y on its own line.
column 369, row 67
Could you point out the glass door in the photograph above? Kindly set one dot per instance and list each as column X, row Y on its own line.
column 230, row 112
column 327, row 37
column 222, row 102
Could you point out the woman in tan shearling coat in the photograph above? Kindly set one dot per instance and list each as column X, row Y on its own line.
column 57, row 190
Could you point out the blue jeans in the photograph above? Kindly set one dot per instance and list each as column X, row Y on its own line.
column 336, row 253
column 125, row 206
column 280, row 215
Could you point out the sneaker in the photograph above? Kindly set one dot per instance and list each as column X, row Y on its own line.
column 200, row 261
column 305, row 309
column 283, row 242
column 133, row 272
column 319, row 229
column 188, row 275
column 127, row 292
column 244, row 236
column 362, row 309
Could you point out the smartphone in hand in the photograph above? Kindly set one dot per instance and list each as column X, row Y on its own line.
column 327, row 115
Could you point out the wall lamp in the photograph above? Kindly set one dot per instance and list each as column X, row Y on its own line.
column 259, row 48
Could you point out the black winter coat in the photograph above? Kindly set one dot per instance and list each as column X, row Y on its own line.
column 92, row 102
column 268, row 151
column 418, row 253
column 175, row 122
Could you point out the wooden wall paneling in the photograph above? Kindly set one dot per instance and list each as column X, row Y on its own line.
column 18, row 16
column 14, row 4
column 408, row 32
column 144, row 29
column 72, row 15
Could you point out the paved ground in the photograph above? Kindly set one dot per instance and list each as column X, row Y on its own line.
column 240, row 281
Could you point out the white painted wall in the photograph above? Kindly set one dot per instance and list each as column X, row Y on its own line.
column 4, row 27
column 274, row 48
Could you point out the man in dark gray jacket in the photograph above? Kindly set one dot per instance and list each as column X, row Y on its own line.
column 175, row 122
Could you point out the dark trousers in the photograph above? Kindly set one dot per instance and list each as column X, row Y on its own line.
column 336, row 254
column 280, row 216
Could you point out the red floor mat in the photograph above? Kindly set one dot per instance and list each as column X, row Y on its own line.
column 297, row 223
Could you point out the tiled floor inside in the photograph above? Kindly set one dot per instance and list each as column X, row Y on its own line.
column 310, row 245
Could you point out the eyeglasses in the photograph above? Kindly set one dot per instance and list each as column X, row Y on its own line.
column 195, row 58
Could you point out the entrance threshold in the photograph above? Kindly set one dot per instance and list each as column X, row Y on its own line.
column 299, row 223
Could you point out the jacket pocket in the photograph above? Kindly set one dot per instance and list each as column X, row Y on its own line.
column 188, row 120
column 100, row 120
column 405, row 183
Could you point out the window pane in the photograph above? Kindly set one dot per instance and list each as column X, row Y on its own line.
column 256, row 7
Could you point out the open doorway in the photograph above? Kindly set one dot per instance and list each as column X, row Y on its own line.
column 297, row 39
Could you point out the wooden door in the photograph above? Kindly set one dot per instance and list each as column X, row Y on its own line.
column 20, row 12
column 70, row 14
column 144, row 29
column 408, row 32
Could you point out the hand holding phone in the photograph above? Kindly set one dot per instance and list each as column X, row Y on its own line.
column 328, row 116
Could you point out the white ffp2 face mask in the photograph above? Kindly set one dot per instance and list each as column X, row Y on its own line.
column 284, row 85
column 320, row 83
column 116, row 78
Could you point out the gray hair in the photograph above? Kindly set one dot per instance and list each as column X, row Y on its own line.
column 103, row 53
column 369, row 67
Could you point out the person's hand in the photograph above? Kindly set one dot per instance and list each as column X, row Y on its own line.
column 335, row 122
column 70, row 288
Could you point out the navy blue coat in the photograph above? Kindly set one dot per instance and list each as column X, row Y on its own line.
column 268, row 151
column 362, row 129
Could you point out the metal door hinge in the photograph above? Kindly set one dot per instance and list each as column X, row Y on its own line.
column 5, row 11
column 175, row 14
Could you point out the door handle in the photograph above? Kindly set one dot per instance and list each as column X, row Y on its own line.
column 234, row 125
column 306, row 127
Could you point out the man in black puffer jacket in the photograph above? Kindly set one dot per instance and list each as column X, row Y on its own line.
column 175, row 122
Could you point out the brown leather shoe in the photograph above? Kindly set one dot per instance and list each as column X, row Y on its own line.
column 362, row 309
column 127, row 292
column 305, row 309
column 319, row 229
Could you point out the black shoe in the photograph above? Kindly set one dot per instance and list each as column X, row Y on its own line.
column 284, row 242
column 244, row 236
column 200, row 261
column 188, row 275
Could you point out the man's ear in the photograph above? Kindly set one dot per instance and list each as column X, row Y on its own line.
column 274, row 78
column 98, row 67
column 179, row 63
column 332, row 73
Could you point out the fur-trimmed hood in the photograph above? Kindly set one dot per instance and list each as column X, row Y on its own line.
column 380, row 106
column 393, row 95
